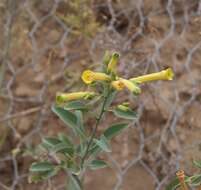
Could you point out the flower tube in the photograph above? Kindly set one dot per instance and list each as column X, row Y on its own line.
column 124, row 83
column 65, row 97
column 89, row 76
column 162, row 75
column 113, row 62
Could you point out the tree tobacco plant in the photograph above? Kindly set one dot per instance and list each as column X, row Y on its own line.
column 75, row 154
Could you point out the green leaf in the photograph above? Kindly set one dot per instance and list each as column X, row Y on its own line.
column 74, row 183
column 74, row 105
column 41, row 167
column 109, row 133
column 125, row 113
column 64, row 138
column 49, row 174
column 197, row 164
column 63, row 148
column 97, row 164
column 56, row 145
column 50, row 142
column 195, row 180
column 173, row 185
column 115, row 129
column 74, row 120
column 66, row 116
column 79, row 115
column 72, row 167
column 81, row 149
column 80, row 126
column 103, row 144
column 36, row 177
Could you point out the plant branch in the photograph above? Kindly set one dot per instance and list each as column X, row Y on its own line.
column 95, row 128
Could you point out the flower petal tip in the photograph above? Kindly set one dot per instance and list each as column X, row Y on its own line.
column 59, row 98
column 87, row 76
column 170, row 74
column 118, row 85
column 116, row 55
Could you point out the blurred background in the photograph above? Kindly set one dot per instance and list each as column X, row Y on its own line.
column 44, row 47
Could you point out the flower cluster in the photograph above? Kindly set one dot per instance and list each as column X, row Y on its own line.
column 117, row 83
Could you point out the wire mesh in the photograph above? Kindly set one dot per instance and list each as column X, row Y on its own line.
column 40, row 54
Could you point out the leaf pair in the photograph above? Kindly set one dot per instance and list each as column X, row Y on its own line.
column 42, row 170
column 58, row 145
column 108, row 134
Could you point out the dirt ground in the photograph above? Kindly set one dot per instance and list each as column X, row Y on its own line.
column 43, row 52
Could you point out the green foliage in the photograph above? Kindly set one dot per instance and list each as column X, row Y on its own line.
column 125, row 112
column 97, row 164
column 42, row 170
column 66, row 116
column 73, row 120
column 195, row 180
column 114, row 130
column 65, row 139
column 55, row 145
column 197, row 164
column 103, row 144
column 110, row 99
column 74, row 183
column 75, row 105
column 75, row 156
column 175, row 184
column 41, row 167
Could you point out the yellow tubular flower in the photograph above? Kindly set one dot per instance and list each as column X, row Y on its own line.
column 118, row 85
column 65, row 97
column 112, row 63
column 131, row 86
column 89, row 76
column 162, row 75
column 122, row 83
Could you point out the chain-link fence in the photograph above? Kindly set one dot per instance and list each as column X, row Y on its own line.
column 46, row 44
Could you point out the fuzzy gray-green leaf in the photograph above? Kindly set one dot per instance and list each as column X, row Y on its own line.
column 66, row 116
column 103, row 144
column 97, row 164
column 41, row 167
column 115, row 129
column 125, row 114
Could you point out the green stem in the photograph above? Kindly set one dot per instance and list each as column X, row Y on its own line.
column 76, row 178
column 95, row 129
column 74, row 182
